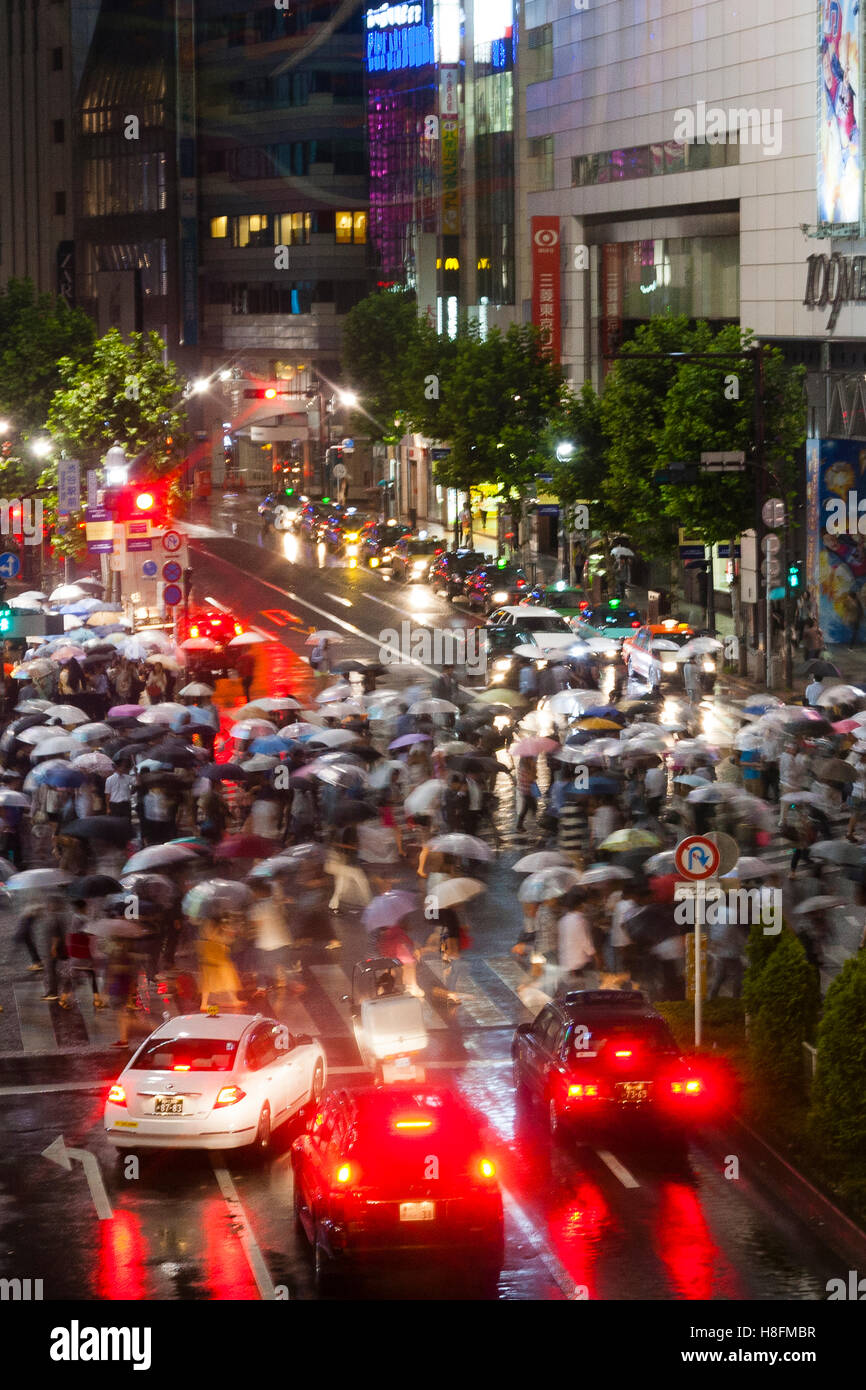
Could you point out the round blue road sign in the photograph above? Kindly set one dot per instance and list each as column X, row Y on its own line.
column 150, row 569
column 171, row 595
column 10, row 564
column 171, row 571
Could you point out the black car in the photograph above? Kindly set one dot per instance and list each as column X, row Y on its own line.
column 604, row 1059
column 491, row 586
column 449, row 572
column 378, row 542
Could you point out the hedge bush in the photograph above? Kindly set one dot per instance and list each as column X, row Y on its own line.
column 782, row 1003
column 838, row 1109
column 759, row 949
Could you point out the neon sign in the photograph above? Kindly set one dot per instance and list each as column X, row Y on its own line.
column 390, row 16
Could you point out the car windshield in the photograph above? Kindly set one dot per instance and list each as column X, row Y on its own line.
column 676, row 639
column 544, row 624
column 465, row 563
column 504, row 575
column 422, row 547
column 187, row 1054
column 646, row 1035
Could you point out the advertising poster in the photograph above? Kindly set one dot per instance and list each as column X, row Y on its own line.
column 836, row 554
column 546, row 261
column 840, row 171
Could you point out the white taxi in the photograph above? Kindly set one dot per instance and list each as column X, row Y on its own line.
column 214, row 1081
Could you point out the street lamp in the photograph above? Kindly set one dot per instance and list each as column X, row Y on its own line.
column 5, row 426
column 348, row 398
column 116, row 466
column 200, row 385
column 41, row 447
column 564, row 450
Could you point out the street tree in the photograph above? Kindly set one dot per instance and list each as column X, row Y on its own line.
column 36, row 331
column 379, row 357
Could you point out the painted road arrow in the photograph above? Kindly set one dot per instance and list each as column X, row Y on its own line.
column 58, row 1153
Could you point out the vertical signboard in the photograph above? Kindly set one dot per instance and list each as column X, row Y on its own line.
column 449, row 140
column 68, row 487
column 546, row 259
column 186, row 169
column 840, row 157
column 611, row 301
column 66, row 272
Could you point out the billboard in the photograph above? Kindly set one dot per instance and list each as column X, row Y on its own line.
column 840, row 164
column 546, row 260
column 836, row 536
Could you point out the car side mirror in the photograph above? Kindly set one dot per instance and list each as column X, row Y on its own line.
column 523, row 1028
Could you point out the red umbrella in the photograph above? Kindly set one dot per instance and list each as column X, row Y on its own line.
column 244, row 847
column 846, row 726
column 662, row 887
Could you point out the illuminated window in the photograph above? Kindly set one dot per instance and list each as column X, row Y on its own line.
column 452, row 263
column 219, row 227
column 350, row 227
column 293, row 228
column 252, row 230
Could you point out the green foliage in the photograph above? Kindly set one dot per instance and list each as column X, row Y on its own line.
column 838, row 1111
column 759, row 949
column 379, row 354
column 127, row 393
column 36, row 330
column 782, row 1006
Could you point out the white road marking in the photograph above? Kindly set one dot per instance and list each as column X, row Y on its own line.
column 255, row 1258
column 554, row 1267
column 58, row 1153
column 338, row 598
column 618, row 1170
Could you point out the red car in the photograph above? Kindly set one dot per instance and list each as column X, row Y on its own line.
column 392, row 1175
column 217, row 627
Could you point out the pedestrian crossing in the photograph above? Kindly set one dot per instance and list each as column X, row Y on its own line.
column 486, row 989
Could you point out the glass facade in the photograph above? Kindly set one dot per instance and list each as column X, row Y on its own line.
column 646, row 161
column 493, row 99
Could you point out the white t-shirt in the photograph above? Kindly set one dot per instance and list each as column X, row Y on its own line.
column 575, row 942
column 157, row 806
column 264, row 818
column 621, row 913
column 118, row 787
column 655, row 781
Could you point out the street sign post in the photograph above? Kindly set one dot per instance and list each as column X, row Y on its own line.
column 698, row 858
column 171, row 596
column 339, row 471
column 773, row 513
column 171, row 572
column 172, row 542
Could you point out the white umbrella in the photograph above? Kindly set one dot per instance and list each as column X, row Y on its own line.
column 199, row 644
column 10, row 798
column 382, row 773
column 343, row 709
column 466, row 846
column 542, row 859
column 50, row 747
column 840, row 695
column 162, row 714
column 247, row 639
column 38, row 734
column 573, row 701
column 271, row 703
column 157, row 856
column 422, row 800
column 67, row 652
column 299, row 730
column 253, row 728
column 67, row 593
column 259, row 762
column 621, row 550
column 434, row 707
column 165, row 660
column 92, row 733
column 341, row 691
column 334, row 738
column 547, row 883
column 37, row 878
column 66, row 714
column 603, row 873
column 94, row 762
column 452, row 891
column 34, row 595
column 324, row 636
column 196, row 688
column 700, row 646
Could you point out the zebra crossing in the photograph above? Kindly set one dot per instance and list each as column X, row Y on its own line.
column 486, row 990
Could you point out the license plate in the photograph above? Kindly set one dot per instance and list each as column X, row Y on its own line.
column 417, row 1211
column 402, row 1062
column 168, row 1105
column 631, row 1091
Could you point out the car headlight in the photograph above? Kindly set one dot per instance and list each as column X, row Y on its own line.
column 502, row 664
column 501, row 596
column 420, row 565
column 374, row 562
column 611, row 652
column 351, row 535
column 669, row 667
column 709, row 665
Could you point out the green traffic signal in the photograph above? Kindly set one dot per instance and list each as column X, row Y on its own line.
column 794, row 575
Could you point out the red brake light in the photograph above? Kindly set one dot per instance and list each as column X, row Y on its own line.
column 413, row 1125
column 343, row 1173
column 193, row 632
column 229, row 1095
column 486, row 1168
column 582, row 1091
column 521, row 583
column 238, row 629
column 180, row 1067
column 635, row 624
column 691, row 1087
column 117, row 1095
column 584, row 603
column 623, row 1052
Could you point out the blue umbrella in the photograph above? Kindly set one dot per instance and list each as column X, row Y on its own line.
column 81, row 607
column 604, row 712
column 272, row 745
column 58, row 776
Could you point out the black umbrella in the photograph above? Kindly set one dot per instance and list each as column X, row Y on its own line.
column 349, row 812
column 178, row 754
column 100, row 650
column 115, row 829
column 91, row 662
column 127, row 722
column 154, row 887
column 93, row 886
column 27, row 721
column 473, row 762
column 653, row 924
column 365, row 751
column 144, row 907
column 820, row 667
column 223, row 772
column 352, row 667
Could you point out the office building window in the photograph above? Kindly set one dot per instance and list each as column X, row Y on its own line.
column 57, row 60
column 59, row 131
column 219, row 227
column 252, row 230
column 647, row 161
column 292, row 228
column 351, row 227
column 60, row 204
column 539, row 56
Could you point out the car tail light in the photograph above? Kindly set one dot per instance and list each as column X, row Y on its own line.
column 412, row 1126
column 521, row 583
column 180, row 1067
column 583, row 1091
column 692, row 1087
column 193, row 632
column 117, row 1095
column 238, row 629
column 635, row 624
column 343, row 1175
column 486, row 1168
column 229, row 1095
column 623, row 1052
column 584, row 603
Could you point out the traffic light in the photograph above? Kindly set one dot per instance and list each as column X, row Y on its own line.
column 794, row 575
column 677, row 474
column 263, row 393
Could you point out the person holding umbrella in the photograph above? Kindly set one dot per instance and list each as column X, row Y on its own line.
column 575, row 949
column 119, row 789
